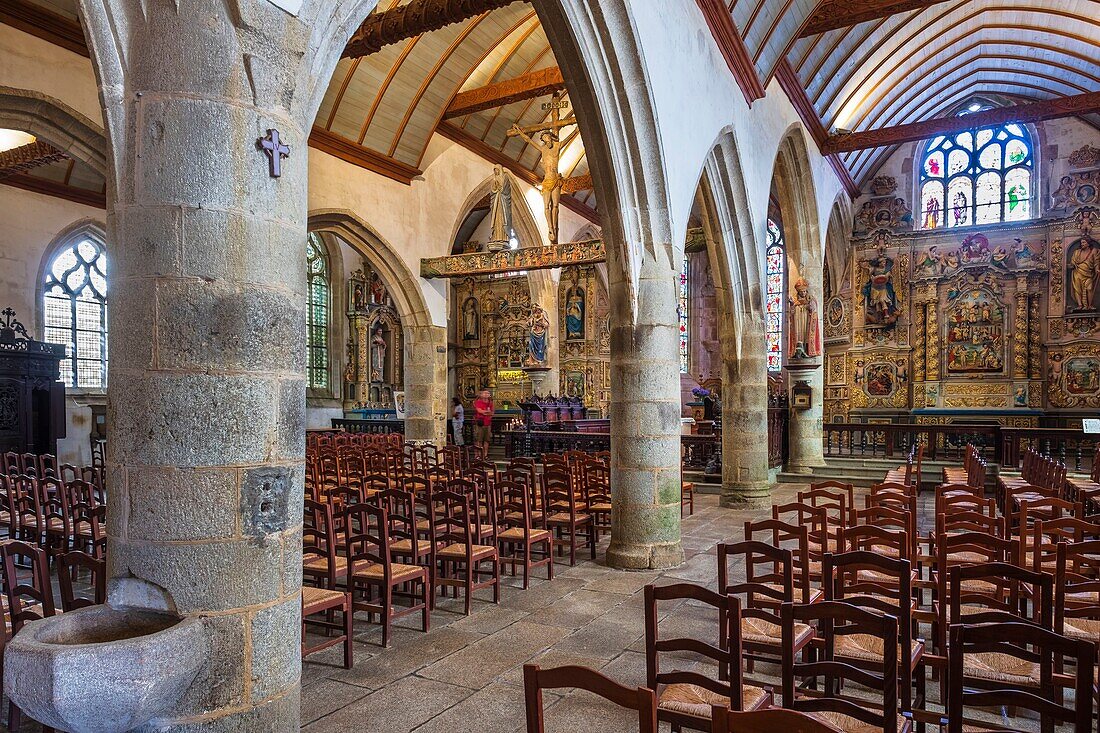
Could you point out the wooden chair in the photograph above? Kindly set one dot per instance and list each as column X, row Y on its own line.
column 406, row 544
column 459, row 554
column 762, row 594
column 370, row 568
column 685, row 697
column 687, row 497
column 1077, row 590
column 820, row 533
column 28, row 597
column 563, row 517
column 318, row 602
column 959, row 550
column 994, row 593
column 518, row 536
column 1030, row 647
column 796, row 539
column 597, row 495
column 834, row 619
column 320, row 560
column 536, row 679
column 858, row 578
column 774, row 720
column 68, row 565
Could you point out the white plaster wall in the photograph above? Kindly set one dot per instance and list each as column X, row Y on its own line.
column 32, row 63
column 416, row 220
column 684, row 63
column 32, row 222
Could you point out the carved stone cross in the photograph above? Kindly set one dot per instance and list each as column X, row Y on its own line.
column 275, row 150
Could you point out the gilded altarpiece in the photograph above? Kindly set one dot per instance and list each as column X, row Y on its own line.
column 956, row 324
column 493, row 337
column 584, row 351
column 375, row 348
column 496, row 340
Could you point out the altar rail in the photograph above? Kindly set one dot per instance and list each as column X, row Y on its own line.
column 698, row 450
column 1005, row 446
column 375, row 427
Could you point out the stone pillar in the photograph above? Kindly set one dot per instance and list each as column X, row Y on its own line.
column 206, row 401
column 806, row 429
column 645, row 417
column 426, row 403
column 745, row 470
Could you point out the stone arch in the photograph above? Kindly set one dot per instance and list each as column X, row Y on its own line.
column 90, row 228
column 736, row 266
column 56, row 123
column 587, row 231
column 793, row 184
column 425, row 366
column 838, row 240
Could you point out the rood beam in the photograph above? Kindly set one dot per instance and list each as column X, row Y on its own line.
column 412, row 19
column 536, row 84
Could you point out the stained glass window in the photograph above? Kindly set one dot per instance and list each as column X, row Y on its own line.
column 682, row 309
column 75, row 312
column 776, row 270
column 977, row 176
column 318, row 294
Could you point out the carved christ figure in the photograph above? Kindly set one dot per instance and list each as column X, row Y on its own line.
column 550, row 147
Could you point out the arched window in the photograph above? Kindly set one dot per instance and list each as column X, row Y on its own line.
column 977, row 176
column 75, row 311
column 682, row 309
column 318, row 292
column 774, row 303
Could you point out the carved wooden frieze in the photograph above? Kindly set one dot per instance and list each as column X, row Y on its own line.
column 511, row 260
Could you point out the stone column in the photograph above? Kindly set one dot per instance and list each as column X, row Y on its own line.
column 426, row 403
column 745, row 470
column 645, row 416
column 206, row 401
column 806, row 430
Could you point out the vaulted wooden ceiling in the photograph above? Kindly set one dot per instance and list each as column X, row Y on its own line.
column 469, row 70
column 392, row 101
column 924, row 62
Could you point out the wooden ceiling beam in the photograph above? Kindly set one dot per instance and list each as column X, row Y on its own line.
column 25, row 157
column 528, row 86
column 577, row 183
column 45, row 186
column 1049, row 109
column 491, row 154
column 732, row 48
column 833, row 14
column 412, row 19
column 45, row 24
column 350, row 152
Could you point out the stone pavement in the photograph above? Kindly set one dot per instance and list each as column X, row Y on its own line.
column 466, row 675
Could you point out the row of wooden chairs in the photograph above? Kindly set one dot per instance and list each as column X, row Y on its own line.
column 693, row 682
column 57, row 515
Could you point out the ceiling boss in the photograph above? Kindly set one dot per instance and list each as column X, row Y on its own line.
column 549, row 144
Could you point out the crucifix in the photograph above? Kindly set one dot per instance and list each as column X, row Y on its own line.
column 275, row 150
column 550, row 147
